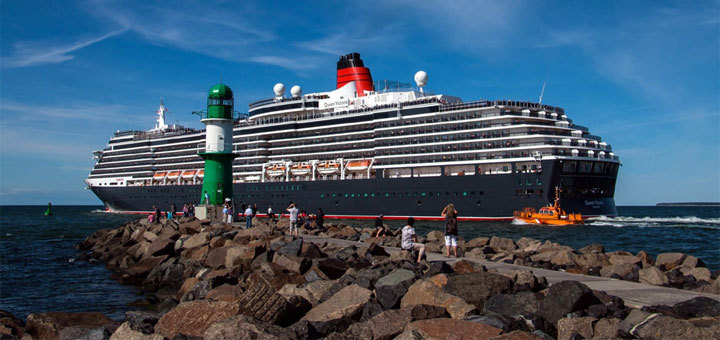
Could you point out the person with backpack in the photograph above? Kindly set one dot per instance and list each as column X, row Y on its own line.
column 451, row 229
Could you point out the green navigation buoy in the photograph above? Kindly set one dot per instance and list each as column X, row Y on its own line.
column 48, row 212
column 218, row 155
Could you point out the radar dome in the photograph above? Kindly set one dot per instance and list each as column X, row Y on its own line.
column 296, row 91
column 421, row 78
column 279, row 89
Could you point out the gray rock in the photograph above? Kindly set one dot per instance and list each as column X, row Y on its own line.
column 390, row 288
column 262, row 302
column 439, row 267
column 410, row 334
column 293, row 248
column 634, row 318
column 566, row 297
column 570, row 328
column 142, row 321
column 653, row 276
column 336, row 313
column 347, row 253
column 245, row 327
column 698, row 307
column 670, row 260
column 509, row 305
column 663, row 327
column 476, row 288
column 595, row 248
column 85, row 333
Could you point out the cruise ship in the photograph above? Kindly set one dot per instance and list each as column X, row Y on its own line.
column 371, row 147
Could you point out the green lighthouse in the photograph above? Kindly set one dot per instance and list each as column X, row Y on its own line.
column 217, row 151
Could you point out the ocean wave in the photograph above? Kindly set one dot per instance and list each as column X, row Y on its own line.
column 519, row 222
column 647, row 219
column 607, row 224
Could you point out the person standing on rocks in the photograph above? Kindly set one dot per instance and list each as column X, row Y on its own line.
column 207, row 199
column 157, row 214
column 270, row 213
column 409, row 239
column 293, row 210
column 248, row 217
column 380, row 229
column 451, row 229
column 230, row 213
column 320, row 218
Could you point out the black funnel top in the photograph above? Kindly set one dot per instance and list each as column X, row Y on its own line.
column 350, row 60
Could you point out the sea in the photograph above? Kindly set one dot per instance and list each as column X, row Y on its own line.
column 40, row 272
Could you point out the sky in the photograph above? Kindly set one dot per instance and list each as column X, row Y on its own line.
column 643, row 75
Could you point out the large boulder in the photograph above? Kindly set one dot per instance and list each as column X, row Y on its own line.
column 476, row 288
column 566, row 297
column 425, row 292
column 476, row 242
column 137, row 272
column 216, row 258
column 435, row 236
column 624, row 271
column 698, row 307
column 513, row 304
column 606, row 328
column 124, row 332
column 453, row 329
column 193, row 318
column 616, row 258
column 51, row 324
column 168, row 274
column 653, row 276
column 664, row 327
column 292, row 263
column 142, row 321
column 502, row 244
column 337, row 312
column 11, row 325
column 570, row 328
column 240, row 255
column 383, row 326
column 196, row 240
column 192, row 227
column 245, row 327
column 391, row 287
column 670, row 260
column 161, row 246
column 264, row 303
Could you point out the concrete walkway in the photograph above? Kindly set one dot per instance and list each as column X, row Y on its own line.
column 635, row 294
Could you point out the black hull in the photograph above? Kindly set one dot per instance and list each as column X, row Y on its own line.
column 475, row 196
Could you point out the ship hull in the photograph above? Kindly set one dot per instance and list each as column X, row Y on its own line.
column 476, row 197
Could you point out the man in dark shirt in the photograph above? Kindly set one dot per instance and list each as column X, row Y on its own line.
column 157, row 214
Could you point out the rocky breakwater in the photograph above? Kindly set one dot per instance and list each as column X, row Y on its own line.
column 214, row 281
column 675, row 270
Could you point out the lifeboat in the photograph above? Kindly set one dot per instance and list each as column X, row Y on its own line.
column 300, row 169
column 173, row 174
column 550, row 215
column 328, row 167
column 188, row 173
column 275, row 170
column 159, row 175
column 201, row 174
column 358, row 165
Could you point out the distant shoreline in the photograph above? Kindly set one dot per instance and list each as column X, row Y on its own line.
column 688, row 204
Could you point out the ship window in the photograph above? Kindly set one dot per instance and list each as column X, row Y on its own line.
column 464, row 193
column 598, row 167
column 538, row 181
column 585, row 166
column 569, row 166
column 365, row 195
column 387, row 194
column 351, row 195
column 423, row 194
column 478, row 203
column 528, row 181
column 346, row 195
column 322, row 195
column 518, row 182
column 333, row 195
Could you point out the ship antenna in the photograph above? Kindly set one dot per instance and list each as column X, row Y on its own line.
column 541, row 93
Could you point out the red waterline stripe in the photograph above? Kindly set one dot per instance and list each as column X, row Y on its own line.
column 370, row 217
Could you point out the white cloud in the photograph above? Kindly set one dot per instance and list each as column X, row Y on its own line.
column 76, row 111
column 37, row 53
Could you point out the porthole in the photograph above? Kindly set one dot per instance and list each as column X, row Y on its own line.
column 477, row 202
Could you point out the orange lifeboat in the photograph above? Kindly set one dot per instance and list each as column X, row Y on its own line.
column 550, row 215
column 358, row 165
column 328, row 167
column 276, row 170
column 159, row 175
column 188, row 173
column 300, row 169
column 201, row 174
column 173, row 174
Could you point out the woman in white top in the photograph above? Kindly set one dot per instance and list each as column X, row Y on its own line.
column 409, row 239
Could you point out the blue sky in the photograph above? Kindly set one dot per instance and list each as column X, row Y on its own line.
column 643, row 75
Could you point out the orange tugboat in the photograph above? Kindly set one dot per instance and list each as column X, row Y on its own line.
column 551, row 214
